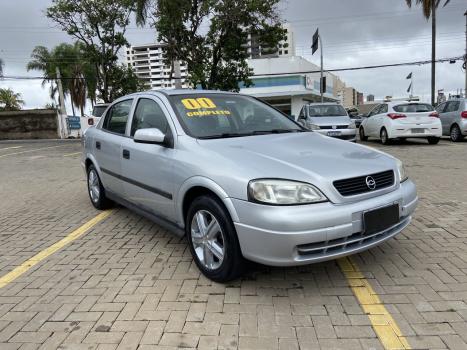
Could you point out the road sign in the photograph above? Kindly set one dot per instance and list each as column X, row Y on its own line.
column 314, row 46
column 74, row 123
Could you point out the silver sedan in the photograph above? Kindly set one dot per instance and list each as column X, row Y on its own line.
column 242, row 181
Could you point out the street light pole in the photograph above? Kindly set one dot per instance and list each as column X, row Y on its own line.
column 321, row 77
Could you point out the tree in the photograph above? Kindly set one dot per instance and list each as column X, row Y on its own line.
column 78, row 74
column 216, row 58
column 100, row 26
column 10, row 100
column 126, row 81
column 429, row 10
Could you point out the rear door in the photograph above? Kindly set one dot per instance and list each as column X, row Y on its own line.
column 443, row 117
column 452, row 113
column 147, row 168
column 416, row 113
column 108, row 145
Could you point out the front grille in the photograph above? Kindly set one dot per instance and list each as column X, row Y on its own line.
column 357, row 185
column 331, row 127
column 342, row 245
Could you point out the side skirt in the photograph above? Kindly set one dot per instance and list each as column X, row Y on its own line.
column 169, row 225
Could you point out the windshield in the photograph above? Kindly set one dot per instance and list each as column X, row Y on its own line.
column 222, row 115
column 326, row 111
column 98, row 110
column 413, row 108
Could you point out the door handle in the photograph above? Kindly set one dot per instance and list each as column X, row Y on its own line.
column 126, row 154
column 98, row 145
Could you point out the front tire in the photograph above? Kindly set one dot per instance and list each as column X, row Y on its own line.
column 96, row 191
column 433, row 140
column 385, row 140
column 361, row 131
column 213, row 240
column 456, row 134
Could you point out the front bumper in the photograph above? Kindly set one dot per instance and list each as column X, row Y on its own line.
column 298, row 235
column 343, row 134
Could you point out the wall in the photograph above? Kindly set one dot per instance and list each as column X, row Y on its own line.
column 29, row 124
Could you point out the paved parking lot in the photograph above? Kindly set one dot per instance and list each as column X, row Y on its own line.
column 127, row 284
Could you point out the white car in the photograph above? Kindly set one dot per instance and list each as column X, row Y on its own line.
column 402, row 120
column 92, row 120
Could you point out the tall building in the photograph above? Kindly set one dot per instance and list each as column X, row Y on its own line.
column 359, row 98
column 148, row 64
column 370, row 98
column 285, row 48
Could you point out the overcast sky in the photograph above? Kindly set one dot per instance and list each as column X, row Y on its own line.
column 355, row 33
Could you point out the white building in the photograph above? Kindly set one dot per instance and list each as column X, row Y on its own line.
column 148, row 64
column 282, row 82
column 284, row 48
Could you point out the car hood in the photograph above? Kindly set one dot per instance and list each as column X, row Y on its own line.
column 337, row 120
column 306, row 156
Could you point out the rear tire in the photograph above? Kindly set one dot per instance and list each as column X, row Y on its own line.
column 385, row 140
column 213, row 240
column 433, row 140
column 361, row 131
column 96, row 191
column 456, row 134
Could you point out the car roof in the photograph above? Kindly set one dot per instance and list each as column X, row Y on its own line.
column 173, row 92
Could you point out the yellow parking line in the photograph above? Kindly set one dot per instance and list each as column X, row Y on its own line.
column 31, row 150
column 384, row 325
column 72, row 154
column 12, row 147
column 28, row 264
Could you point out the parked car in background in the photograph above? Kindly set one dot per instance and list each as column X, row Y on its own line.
column 328, row 119
column 93, row 119
column 453, row 115
column 402, row 120
column 242, row 181
column 355, row 115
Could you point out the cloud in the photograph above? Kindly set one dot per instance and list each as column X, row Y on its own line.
column 355, row 33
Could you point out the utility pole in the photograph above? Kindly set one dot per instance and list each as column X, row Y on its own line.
column 321, row 82
column 62, row 110
column 433, row 50
column 177, row 75
column 465, row 57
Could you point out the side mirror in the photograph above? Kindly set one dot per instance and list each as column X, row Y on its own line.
column 150, row 135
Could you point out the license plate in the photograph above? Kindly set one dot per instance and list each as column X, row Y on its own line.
column 380, row 219
column 334, row 133
column 418, row 131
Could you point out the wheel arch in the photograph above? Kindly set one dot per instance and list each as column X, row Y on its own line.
column 197, row 186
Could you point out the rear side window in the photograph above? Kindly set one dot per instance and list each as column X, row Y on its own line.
column 148, row 114
column 383, row 109
column 117, row 117
column 441, row 108
column 452, row 106
column 413, row 108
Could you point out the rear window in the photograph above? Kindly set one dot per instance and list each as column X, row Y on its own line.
column 326, row 111
column 413, row 108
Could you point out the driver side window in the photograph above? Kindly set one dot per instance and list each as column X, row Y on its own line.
column 148, row 114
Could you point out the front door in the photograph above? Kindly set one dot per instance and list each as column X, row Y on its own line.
column 108, row 145
column 147, row 168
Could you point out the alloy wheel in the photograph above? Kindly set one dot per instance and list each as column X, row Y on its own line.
column 94, row 186
column 208, row 239
column 455, row 133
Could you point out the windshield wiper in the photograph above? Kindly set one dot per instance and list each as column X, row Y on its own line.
column 276, row 131
column 225, row 135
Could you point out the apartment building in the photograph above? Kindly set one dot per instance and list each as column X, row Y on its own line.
column 148, row 64
column 285, row 48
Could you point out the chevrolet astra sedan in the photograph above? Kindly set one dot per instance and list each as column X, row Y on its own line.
column 242, row 181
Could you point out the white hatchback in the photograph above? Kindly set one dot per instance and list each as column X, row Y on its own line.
column 402, row 120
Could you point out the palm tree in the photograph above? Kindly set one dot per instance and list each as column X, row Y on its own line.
column 78, row 88
column 429, row 10
column 42, row 60
column 10, row 100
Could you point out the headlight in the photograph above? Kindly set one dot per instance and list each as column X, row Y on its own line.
column 313, row 126
column 283, row 192
column 401, row 170
column 352, row 124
